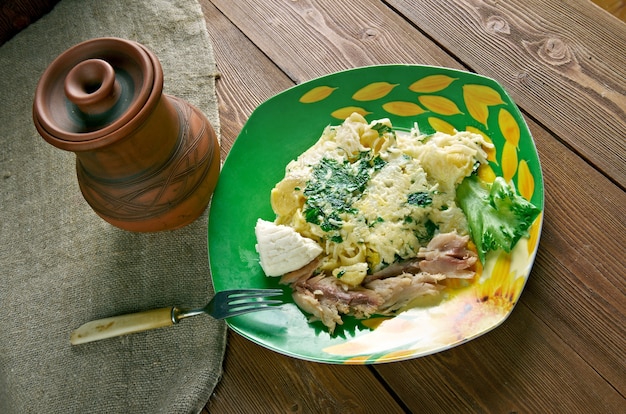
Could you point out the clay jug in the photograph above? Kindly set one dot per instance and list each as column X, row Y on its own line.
column 145, row 161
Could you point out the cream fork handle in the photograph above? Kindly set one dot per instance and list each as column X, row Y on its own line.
column 122, row 325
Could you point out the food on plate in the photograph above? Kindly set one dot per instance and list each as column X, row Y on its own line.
column 368, row 219
column 281, row 249
column 498, row 217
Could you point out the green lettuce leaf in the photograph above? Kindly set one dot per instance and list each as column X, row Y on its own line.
column 497, row 216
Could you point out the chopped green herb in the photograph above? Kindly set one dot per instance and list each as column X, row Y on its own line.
column 379, row 219
column 429, row 231
column 431, row 228
column 312, row 215
column 421, row 199
column 367, row 157
column 382, row 128
column 378, row 163
column 334, row 187
column 336, row 239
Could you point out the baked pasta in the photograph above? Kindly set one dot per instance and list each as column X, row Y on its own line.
column 379, row 203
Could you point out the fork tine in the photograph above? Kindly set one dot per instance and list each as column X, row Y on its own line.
column 251, row 303
column 239, row 309
column 240, row 301
column 253, row 293
column 238, row 304
column 242, row 311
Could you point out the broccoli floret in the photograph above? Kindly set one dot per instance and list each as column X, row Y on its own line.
column 497, row 216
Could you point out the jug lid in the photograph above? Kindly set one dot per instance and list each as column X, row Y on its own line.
column 96, row 92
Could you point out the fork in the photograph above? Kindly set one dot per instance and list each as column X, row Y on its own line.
column 223, row 305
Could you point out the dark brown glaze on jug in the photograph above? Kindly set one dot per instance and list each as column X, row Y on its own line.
column 145, row 161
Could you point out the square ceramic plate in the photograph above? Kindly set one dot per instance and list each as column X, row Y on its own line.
column 280, row 129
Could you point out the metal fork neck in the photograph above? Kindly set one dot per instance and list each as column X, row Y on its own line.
column 182, row 313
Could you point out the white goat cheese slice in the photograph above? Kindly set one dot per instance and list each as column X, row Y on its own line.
column 281, row 249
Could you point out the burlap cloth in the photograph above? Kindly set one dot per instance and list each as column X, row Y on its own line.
column 61, row 265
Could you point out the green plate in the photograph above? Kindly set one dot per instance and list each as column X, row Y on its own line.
column 287, row 124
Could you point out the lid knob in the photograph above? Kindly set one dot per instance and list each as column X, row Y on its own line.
column 92, row 87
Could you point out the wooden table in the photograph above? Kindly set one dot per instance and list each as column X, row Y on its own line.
column 563, row 349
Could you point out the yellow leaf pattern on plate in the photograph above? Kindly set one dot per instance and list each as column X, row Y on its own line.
column 533, row 234
column 509, row 161
column 357, row 360
column 403, row 108
column 397, row 355
column 525, row 180
column 346, row 111
column 486, row 173
column 317, row 94
column 372, row 323
column 439, row 104
column 478, row 98
column 441, row 125
column 483, row 94
column 375, row 90
column 509, row 127
column 432, row 83
column 478, row 111
column 491, row 152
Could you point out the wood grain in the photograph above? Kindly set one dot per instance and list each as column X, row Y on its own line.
column 307, row 39
column 564, row 53
column 287, row 385
column 247, row 76
column 577, row 287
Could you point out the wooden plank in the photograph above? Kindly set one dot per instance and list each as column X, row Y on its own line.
column 578, row 284
column 16, row 15
column 256, row 379
column 564, row 54
column 328, row 36
column 246, row 76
